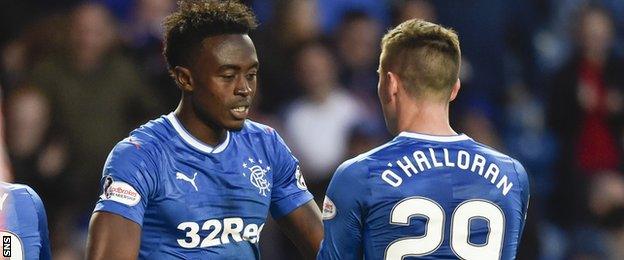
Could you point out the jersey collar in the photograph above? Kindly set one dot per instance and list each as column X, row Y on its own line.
column 436, row 138
column 192, row 141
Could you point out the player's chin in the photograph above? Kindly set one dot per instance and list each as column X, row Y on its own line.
column 234, row 124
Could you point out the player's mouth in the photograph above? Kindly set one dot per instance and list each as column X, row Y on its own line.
column 240, row 112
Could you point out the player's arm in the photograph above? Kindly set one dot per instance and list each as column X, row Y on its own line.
column 292, row 205
column 523, row 179
column 44, row 253
column 342, row 214
column 304, row 227
column 112, row 237
column 128, row 181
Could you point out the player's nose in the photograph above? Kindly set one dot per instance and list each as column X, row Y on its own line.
column 243, row 88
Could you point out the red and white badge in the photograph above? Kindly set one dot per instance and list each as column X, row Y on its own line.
column 329, row 209
column 120, row 191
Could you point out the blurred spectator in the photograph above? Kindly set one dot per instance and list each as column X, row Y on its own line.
column 476, row 123
column 413, row 9
column 38, row 40
column 326, row 111
column 357, row 41
column 586, row 101
column 361, row 139
column 92, row 96
column 5, row 168
column 143, row 34
column 331, row 11
column 28, row 119
column 95, row 95
column 295, row 22
column 601, row 236
column 585, row 113
column 530, row 141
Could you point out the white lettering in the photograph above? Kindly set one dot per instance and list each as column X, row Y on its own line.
column 219, row 232
column 420, row 159
column 433, row 159
column 251, row 233
column 232, row 226
column 260, row 231
column 479, row 161
column 395, row 181
column 475, row 163
column 503, row 182
column 447, row 162
column 493, row 170
column 462, row 159
column 407, row 167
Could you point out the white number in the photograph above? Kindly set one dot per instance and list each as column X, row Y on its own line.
column 192, row 234
column 460, row 228
column 403, row 211
column 220, row 232
column 210, row 240
column 401, row 214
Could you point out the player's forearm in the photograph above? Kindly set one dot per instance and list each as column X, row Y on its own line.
column 304, row 227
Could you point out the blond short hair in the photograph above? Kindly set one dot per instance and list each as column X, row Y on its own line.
column 426, row 56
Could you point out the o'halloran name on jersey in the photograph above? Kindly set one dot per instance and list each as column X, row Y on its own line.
column 435, row 197
column 421, row 160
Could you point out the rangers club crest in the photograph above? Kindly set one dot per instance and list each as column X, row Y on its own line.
column 257, row 175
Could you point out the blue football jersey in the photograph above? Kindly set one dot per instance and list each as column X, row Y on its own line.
column 194, row 201
column 426, row 197
column 24, row 226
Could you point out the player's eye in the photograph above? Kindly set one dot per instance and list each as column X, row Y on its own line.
column 228, row 77
column 251, row 76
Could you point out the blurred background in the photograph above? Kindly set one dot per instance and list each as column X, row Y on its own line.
column 542, row 80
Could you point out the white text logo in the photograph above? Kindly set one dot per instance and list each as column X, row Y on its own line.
column 220, row 232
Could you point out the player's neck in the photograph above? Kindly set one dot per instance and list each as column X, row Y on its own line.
column 431, row 119
column 209, row 134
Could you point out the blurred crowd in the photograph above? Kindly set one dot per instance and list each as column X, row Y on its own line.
column 542, row 80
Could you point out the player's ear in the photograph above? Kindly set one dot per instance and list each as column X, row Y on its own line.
column 394, row 83
column 455, row 89
column 183, row 78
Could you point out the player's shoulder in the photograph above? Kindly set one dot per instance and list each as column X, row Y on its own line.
column 144, row 144
column 253, row 127
column 258, row 132
column 502, row 159
column 155, row 131
column 146, row 138
column 16, row 188
column 22, row 191
column 358, row 166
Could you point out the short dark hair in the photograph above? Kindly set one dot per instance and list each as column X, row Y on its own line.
column 197, row 19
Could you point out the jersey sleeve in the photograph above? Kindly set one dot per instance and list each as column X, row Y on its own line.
column 523, row 179
column 343, row 214
column 128, row 181
column 289, row 190
column 44, row 253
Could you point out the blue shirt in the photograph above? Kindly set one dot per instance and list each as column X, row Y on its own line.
column 194, row 201
column 24, row 224
column 435, row 197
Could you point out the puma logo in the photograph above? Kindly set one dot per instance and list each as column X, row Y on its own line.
column 181, row 176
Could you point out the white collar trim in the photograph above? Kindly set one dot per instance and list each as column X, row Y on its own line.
column 436, row 138
column 197, row 144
